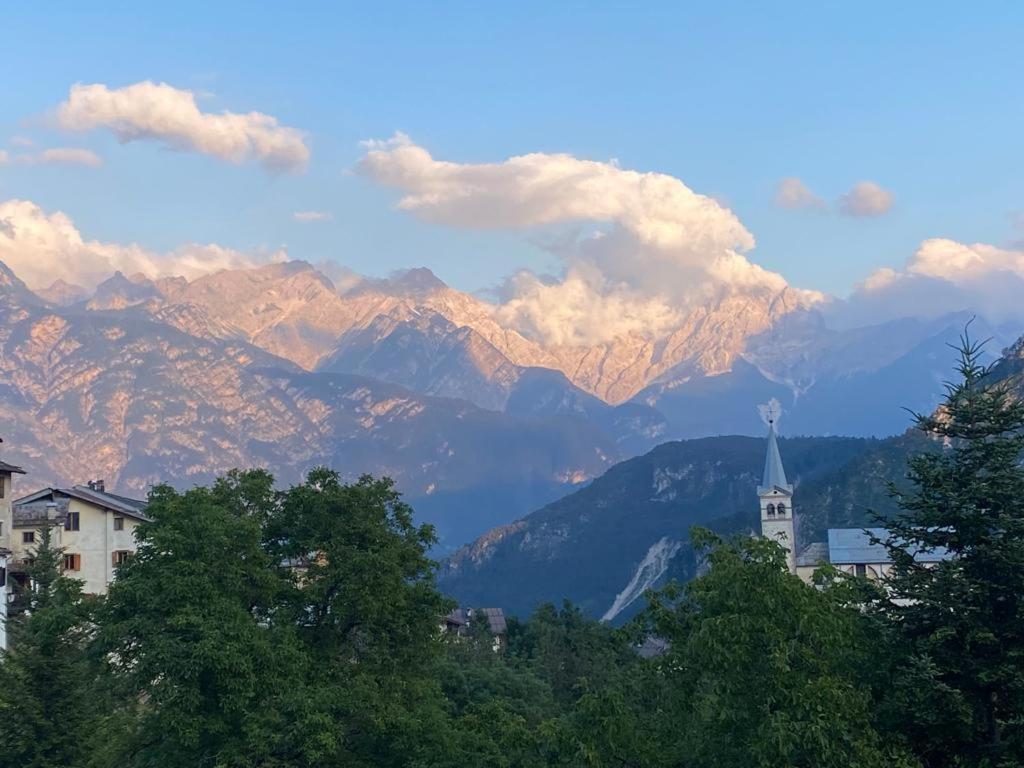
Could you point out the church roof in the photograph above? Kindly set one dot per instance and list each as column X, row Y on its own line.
column 774, row 474
column 849, row 546
column 813, row 554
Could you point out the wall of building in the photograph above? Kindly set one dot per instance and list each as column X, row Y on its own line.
column 95, row 543
column 4, row 592
column 6, row 517
column 780, row 528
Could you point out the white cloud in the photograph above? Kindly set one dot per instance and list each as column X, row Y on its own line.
column 312, row 216
column 658, row 245
column 160, row 112
column 582, row 309
column 942, row 276
column 4, row 157
column 68, row 156
column 956, row 262
column 21, row 141
column 865, row 198
column 535, row 189
column 793, row 193
column 41, row 246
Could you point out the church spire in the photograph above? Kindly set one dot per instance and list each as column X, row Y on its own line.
column 776, row 493
column 774, row 473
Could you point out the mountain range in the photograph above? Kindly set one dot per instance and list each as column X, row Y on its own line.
column 147, row 380
column 604, row 545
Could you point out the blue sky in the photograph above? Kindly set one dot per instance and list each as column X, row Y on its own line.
column 922, row 98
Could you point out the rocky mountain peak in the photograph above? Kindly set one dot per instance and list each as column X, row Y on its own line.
column 63, row 294
column 119, row 291
column 13, row 292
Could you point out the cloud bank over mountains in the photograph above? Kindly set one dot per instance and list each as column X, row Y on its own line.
column 171, row 116
column 638, row 250
column 41, row 247
column 654, row 247
column 942, row 276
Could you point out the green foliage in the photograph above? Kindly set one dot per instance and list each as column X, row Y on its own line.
column 48, row 696
column 189, row 636
column 762, row 670
column 961, row 689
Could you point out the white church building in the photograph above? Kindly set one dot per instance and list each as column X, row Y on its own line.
column 849, row 549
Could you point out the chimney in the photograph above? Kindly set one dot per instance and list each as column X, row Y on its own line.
column 97, row 485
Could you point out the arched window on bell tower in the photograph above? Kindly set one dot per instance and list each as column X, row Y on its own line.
column 771, row 510
column 781, row 509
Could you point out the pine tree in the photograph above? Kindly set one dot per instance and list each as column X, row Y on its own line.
column 962, row 688
column 47, row 697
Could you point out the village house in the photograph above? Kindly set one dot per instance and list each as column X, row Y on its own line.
column 461, row 620
column 94, row 528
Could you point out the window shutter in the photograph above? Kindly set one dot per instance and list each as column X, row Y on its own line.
column 113, row 558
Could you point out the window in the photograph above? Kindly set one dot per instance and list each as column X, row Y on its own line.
column 72, row 562
column 73, row 521
column 771, row 510
column 1, row 527
column 782, row 509
column 118, row 523
column 861, row 570
column 121, row 556
column 28, row 537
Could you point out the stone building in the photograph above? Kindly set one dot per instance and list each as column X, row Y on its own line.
column 850, row 550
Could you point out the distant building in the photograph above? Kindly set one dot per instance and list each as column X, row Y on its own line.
column 850, row 550
column 95, row 528
column 461, row 620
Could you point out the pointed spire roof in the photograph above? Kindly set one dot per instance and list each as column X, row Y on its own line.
column 774, row 474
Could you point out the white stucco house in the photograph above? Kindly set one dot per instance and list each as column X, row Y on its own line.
column 95, row 528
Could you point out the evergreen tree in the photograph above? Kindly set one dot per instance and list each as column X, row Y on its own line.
column 961, row 691
column 48, row 697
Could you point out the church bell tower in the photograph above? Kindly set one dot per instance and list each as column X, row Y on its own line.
column 776, row 496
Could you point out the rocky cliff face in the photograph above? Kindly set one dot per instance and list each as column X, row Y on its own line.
column 415, row 331
column 171, row 393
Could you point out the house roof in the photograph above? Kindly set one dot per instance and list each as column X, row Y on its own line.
column 126, row 506
column 813, row 554
column 5, row 467
column 774, row 473
column 851, row 546
column 495, row 620
column 462, row 617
